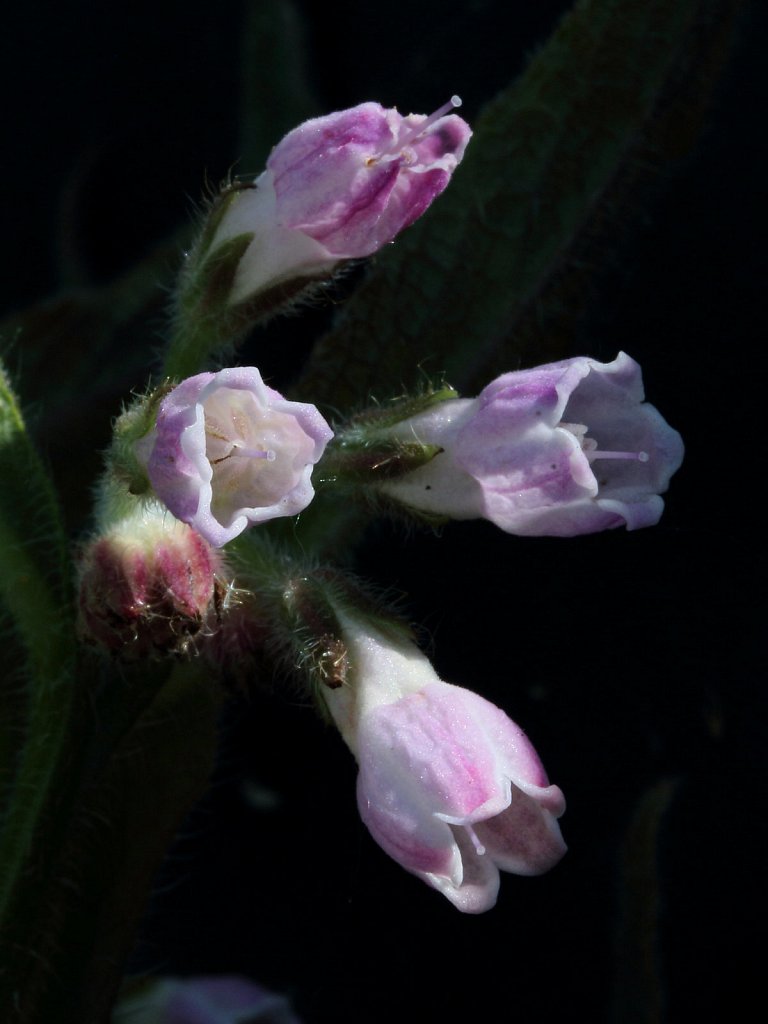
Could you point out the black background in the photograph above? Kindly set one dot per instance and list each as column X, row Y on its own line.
column 634, row 661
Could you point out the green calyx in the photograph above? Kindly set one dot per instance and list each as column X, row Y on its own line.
column 382, row 417
column 358, row 463
column 135, row 424
column 204, row 321
column 368, row 449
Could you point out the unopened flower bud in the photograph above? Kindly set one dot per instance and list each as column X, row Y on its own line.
column 148, row 586
column 228, row 451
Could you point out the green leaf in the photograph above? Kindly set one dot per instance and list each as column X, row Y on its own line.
column 139, row 772
column 35, row 588
column 35, row 570
column 204, row 323
column 482, row 282
column 275, row 92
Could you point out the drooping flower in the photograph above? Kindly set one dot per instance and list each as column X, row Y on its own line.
column 559, row 450
column 147, row 586
column 338, row 187
column 228, row 451
column 448, row 786
column 206, row 999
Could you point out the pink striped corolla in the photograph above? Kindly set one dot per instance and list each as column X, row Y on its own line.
column 558, row 450
column 448, row 785
column 228, row 451
column 339, row 187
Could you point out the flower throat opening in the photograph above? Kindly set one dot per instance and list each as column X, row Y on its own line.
column 400, row 148
column 592, row 452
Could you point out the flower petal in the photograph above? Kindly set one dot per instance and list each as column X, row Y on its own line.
column 525, row 838
column 479, row 886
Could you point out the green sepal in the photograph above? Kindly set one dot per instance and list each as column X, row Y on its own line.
column 367, row 451
column 204, row 322
column 299, row 605
column 207, row 292
column 319, row 651
column 132, row 426
column 227, row 197
column 207, row 324
column 292, row 602
column 313, row 604
column 389, row 414
column 360, row 463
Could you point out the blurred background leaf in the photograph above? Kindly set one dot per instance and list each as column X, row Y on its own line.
column 496, row 275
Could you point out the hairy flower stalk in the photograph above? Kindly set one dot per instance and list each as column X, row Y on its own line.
column 559, row 450
column 227, row 451
column 448, row 785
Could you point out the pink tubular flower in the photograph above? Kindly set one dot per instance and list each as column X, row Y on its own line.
column 228, row 451
column 448, row 785
column 558, row 450
column 340, row 187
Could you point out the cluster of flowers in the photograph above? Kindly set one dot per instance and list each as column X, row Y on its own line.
column 448, row 785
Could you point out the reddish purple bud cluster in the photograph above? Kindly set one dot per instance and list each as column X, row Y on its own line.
column 147, row 587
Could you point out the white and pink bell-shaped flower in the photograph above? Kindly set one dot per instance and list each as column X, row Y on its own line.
column 559, row 450
column 339, row 187
column 449, row 786
column 227, row 451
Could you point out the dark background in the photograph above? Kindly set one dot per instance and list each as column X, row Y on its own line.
column 634, row 661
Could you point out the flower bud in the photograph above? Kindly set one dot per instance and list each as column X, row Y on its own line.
column 337, row 187
column 227, row 451
column 148, row 587
column 559, row 450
